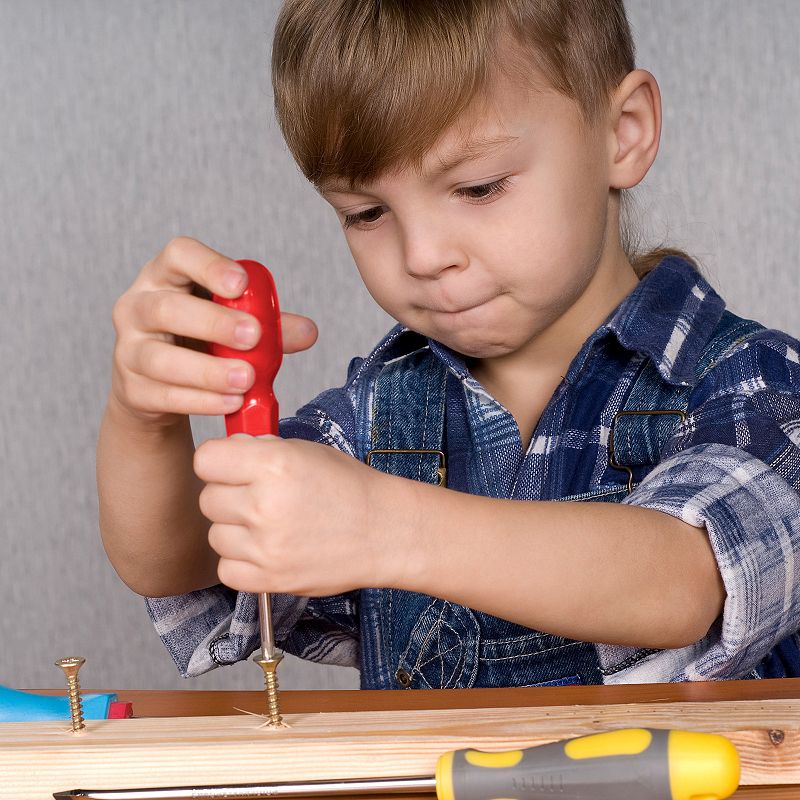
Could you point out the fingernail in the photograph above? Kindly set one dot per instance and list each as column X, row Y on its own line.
column 231, row 400
column 246, row 332
column 238, row 377
column 234, row 279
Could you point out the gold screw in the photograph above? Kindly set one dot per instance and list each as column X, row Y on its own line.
column 270, row 666
column 70, row 666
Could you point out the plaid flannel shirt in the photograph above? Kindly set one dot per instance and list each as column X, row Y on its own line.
column 732, row 467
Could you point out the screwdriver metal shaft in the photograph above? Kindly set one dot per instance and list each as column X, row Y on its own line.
column 268, row 659
column 254, row 791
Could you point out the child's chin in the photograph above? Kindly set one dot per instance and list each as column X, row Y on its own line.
column 475, row 347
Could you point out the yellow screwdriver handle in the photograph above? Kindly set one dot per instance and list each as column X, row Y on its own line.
column 634, row 764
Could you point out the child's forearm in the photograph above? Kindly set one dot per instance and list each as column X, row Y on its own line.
column 151, row 525
column 597, row 572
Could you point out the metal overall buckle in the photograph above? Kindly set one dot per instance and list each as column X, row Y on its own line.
column 441, row 471
column 611, row 461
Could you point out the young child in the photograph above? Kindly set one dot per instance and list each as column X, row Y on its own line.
column 620, row 454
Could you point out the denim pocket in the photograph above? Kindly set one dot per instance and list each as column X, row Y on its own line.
column 537, row 659
column 436, row 642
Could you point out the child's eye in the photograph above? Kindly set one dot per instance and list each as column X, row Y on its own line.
column 478, row 193
column 370, row 215
column 484, row 190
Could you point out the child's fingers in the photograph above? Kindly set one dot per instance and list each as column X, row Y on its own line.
column 185, row 261
column 232, row 541
column 244, row 576
column 193, row 317
column 238, row 460
column 153, row 397
column 167, row 363
column 298, row 332
column 225, row 504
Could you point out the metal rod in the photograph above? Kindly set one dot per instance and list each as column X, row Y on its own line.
column 265, row 626
column 255, row 791
column 268, row 659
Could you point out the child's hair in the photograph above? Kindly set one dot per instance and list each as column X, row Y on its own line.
column 363, row 87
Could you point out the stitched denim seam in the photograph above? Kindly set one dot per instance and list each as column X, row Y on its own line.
column 424, row 426
column 606, row 419
column 440, row 654
column 485, row 660
column 390, row 423
column 527, row 637
column 388, row 630
column 442, row 685
column 404, row 654
column 477, row 412
column 437, row 627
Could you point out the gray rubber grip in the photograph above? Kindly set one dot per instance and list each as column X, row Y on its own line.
column 547, row 772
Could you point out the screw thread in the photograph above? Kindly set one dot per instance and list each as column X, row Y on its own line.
column 70, row 667
column 75, row 703
column 273, row 706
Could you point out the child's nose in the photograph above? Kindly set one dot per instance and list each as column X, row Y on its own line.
column 431, row 248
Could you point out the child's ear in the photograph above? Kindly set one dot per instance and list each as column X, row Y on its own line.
column 635, row 129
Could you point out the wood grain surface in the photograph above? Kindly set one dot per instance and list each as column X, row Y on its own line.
column 37, row 759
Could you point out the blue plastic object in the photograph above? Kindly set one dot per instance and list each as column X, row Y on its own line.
column 18, row 706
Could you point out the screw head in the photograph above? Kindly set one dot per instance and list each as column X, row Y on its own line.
column 71, row 664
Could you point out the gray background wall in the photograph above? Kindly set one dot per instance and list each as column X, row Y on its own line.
column 126, row 123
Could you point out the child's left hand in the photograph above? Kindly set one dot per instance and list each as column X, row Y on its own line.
column 294, row 516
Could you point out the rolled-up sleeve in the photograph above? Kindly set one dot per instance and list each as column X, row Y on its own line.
column 218, row 626
column 733, row 468
column 752, row 516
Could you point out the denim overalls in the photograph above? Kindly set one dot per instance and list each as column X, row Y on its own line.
column 413, row 640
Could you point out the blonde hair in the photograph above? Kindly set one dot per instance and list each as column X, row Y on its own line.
column 363, row 87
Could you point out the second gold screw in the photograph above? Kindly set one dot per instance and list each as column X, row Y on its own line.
column 70, row 666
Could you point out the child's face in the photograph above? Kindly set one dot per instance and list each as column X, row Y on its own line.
column 488, row 255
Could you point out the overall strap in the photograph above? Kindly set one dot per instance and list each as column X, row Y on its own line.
column 406, row 435
column 652, row 412
column 408, row 412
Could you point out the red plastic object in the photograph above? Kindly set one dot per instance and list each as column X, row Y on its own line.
column 259, row 412
column 118, row 710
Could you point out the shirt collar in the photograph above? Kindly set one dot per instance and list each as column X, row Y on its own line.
column 670, row 317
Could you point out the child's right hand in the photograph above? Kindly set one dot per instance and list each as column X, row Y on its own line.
column 162, row 370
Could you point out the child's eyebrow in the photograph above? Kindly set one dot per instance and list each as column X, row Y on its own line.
column 479, row 147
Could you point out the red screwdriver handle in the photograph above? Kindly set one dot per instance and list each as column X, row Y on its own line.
column 259, row 411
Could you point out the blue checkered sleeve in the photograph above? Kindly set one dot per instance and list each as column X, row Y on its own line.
column 734, row 468
column 217, row 626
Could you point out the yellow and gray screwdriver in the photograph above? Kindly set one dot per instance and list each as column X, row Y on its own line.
column 629, row 764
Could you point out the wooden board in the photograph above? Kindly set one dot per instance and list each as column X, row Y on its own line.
column 37, row 759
